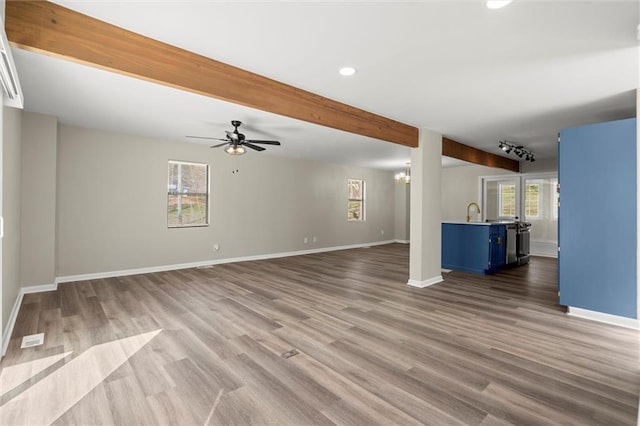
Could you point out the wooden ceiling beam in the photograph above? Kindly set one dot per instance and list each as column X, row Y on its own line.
column 51, row 29
column 454, row 149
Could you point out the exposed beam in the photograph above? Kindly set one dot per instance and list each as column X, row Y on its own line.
column 454, row 149
column 51, row 29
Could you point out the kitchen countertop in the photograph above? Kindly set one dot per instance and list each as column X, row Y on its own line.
column 495, row 222
column 468, row 223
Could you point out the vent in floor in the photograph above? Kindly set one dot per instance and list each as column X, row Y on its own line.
column 292, row 352
column 32, row 340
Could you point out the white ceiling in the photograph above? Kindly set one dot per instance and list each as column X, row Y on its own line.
column 476, row 75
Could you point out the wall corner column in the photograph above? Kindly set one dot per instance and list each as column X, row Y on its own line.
column 425, row 219
column 39, row 177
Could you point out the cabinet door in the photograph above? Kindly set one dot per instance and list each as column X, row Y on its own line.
column 497, row 248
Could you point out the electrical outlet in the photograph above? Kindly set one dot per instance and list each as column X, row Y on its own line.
column 315, row 239
column 216, row 247
column 306, row 240
column 382, row 232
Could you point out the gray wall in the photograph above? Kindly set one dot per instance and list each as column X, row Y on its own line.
column 539, row 166
column 11, row 166
column 460, row 187
column 39, row 147
column 402, row 210
column 111, row 204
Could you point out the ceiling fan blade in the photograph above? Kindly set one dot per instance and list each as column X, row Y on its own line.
column 219, row 145
column 252, row 146
column 204, row 137
column 264, row 142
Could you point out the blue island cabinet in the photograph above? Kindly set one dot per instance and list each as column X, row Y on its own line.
column 473, row 247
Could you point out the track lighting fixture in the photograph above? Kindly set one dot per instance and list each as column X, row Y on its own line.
column 518, row 150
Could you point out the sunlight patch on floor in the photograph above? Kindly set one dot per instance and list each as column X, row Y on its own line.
column 51, row 397
column 15, row 375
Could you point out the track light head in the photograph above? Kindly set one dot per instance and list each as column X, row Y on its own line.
column 518, row 150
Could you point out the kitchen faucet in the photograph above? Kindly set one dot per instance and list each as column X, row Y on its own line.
column 469, row 210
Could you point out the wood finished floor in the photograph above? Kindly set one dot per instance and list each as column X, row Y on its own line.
column 204, row 346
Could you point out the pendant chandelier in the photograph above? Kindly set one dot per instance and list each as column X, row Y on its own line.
column 404, row 177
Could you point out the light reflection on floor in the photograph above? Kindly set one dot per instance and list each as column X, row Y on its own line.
column 48, row 399
column 15, row 375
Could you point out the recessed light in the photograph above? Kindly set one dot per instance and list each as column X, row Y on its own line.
column 497, row 4
column 347, row 71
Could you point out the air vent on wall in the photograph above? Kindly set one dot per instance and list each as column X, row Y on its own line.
column 8, row 75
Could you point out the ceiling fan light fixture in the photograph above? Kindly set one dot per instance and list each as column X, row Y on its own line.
column 497, row 4
column 236, row 143
column 235, row 150
column 347, row 71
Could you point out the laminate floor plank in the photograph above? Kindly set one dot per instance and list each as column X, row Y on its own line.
column 128, row 404
column 245, row 406
column 93, row 409
column 50, row 323
column 313, row 393
column 28, row 319
column 360, row 402
column 205, row 346
column 277, row 394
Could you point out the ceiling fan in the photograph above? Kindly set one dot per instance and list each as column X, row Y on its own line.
column 236, row 141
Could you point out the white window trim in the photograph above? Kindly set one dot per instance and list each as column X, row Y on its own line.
column 526, row 216
column 515, row 199
column 520, row 178
column 363, row 191
column 208, row 204
column 554, row 199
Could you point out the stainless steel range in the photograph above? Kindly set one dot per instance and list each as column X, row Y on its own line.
column 523, row 238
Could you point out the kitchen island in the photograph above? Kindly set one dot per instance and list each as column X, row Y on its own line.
column 477, row 247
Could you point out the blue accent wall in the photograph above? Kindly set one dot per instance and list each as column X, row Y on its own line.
column 597, row 218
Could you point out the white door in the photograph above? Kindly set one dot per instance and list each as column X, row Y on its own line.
column 501, row 198
column 540, row 208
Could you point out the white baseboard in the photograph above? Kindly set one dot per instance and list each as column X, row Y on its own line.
column 605, row 318
column 544, row 248
column 402, row 241
column 164, row 268
column 8, row 330
column 425, row 283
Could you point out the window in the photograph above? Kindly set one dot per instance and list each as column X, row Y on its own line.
column 356, row 209
column 532, row 200
column 506, row 200
column 187, row 194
